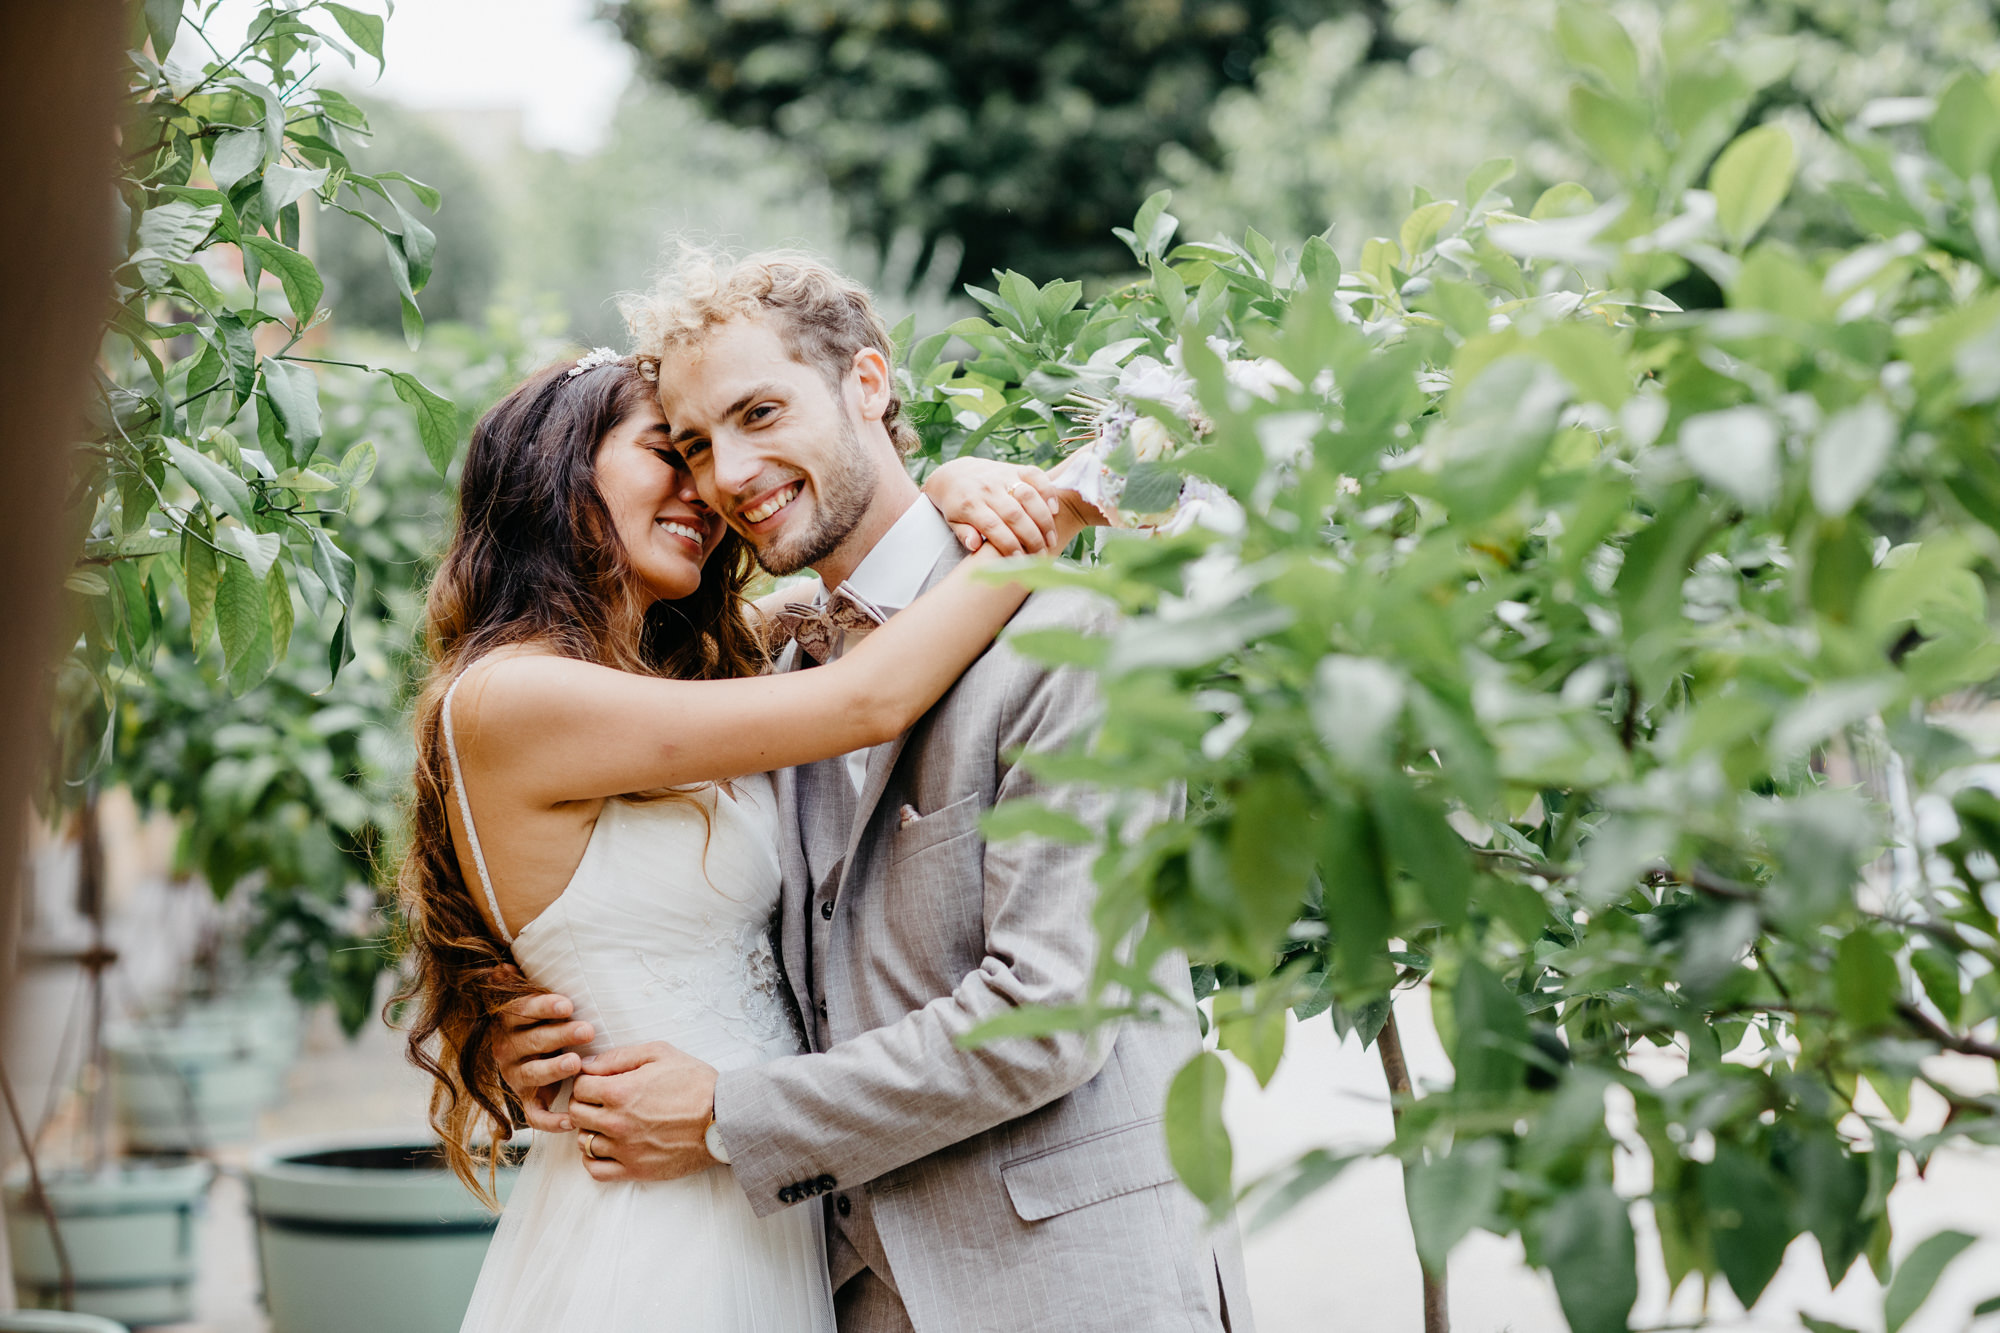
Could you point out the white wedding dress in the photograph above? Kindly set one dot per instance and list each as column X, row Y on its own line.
column 662, row 934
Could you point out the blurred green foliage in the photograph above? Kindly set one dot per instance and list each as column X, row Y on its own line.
column 1599, row 666
column 1327, row 138
column 291, row 790
column 1015, row 132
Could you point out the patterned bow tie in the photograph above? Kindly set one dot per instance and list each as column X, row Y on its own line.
column 817, row 626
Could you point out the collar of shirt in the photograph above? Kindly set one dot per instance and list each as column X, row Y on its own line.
column 890, row 577
column 892, row 574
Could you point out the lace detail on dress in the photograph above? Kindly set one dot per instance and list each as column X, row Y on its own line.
column 732, row 979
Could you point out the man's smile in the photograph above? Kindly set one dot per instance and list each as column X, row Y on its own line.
column 773, row 502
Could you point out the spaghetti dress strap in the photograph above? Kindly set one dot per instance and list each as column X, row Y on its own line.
column 465, row 813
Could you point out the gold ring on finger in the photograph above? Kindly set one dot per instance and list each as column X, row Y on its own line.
column 589, row 1144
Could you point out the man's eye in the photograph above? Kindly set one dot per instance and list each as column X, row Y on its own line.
column 760, row 412
column 692, row 448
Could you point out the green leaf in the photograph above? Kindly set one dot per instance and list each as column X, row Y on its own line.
column 278, row 598
column 296, row 274
column 285, row 186
column 240, row 347
column 1254, row 1035
column 220, row 488
column 1816, row 1325
column 1423, row 846
column 340, row 649
column 1588, row 1245
column 1591, row 39
column 364, row 30
column 1865, row 981
column 259, row 550
column 174, row 231
column 1270, row 853
column 1736, row 451
column 1849, row 453
column 293, row 391
column 1287, row 1188
column 1750, row 179
column 1450, row 1195
column 1829, row 1192
column 1151, row 488
column 1319, row 265
column 1491, row 173
column 1421, row 227
column 333, row 565
column 1964, row 131
column 357, row 465
column 199, row 576
column 1024, row 818
column 1748, row 1219
column 1938, row 970
column 243, row 621
column 163, row 22
column 1918, row 1273
column 427, row 195
column 235, row 156
column 437, row 418
column 1492, row 1032
column 1197, row 1140
column 1566, row 199
column 1620, row 133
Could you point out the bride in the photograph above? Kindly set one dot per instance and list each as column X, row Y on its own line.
column 592, row 815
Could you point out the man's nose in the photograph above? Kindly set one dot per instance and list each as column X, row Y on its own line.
column 733, row 467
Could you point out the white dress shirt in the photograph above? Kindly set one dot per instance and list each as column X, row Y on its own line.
column 890, row 577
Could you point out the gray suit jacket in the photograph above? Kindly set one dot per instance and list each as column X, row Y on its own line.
column 1022, row 1185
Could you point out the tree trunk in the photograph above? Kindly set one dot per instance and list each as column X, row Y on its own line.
column 59, row 64
column 1389, row 1043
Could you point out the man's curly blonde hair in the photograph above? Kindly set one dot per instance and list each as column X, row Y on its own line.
column 822, row 318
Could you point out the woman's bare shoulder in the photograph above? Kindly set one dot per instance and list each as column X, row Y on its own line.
column 509, row 681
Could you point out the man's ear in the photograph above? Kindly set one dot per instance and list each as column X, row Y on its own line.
column 872, row 379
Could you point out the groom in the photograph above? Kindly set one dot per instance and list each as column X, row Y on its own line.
column 1022, row 1185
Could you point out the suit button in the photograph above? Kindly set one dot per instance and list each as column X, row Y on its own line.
column 842, row 1206
column 826, row 910
column 825, row 1183
column 821, row 1006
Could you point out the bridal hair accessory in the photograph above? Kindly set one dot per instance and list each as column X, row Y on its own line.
column 591, row 360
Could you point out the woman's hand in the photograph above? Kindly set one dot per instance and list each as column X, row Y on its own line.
column 989, row 503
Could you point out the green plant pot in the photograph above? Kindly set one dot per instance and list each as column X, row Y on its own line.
column 262, row 1017
column 367, row 1233
column 187, row 1087
column 130, row 1235
column 56, row 1321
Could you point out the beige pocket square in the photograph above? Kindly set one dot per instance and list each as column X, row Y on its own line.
column 907, row 816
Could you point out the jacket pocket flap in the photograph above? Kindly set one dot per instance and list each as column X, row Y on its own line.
column 941, row 825
column 1087, row 1171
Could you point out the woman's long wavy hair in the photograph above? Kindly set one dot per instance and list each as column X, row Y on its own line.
column 535, row 561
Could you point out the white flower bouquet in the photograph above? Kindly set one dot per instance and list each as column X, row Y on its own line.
column 1130, row 435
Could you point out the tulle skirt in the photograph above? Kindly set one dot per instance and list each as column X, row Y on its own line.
column 646, row 1257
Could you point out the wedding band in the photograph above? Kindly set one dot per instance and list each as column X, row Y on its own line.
column 590, row 1145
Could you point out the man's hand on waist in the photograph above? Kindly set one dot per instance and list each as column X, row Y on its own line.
column 642, row 1113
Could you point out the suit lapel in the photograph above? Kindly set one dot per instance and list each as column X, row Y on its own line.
column 882, row 760
column 796, row 890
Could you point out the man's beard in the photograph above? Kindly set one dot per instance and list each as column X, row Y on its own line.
column 841, row 497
